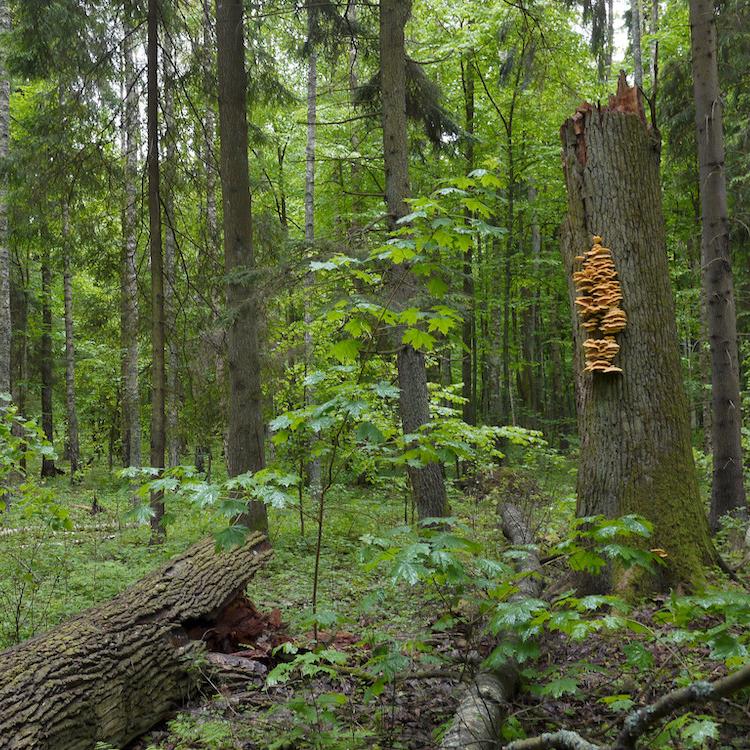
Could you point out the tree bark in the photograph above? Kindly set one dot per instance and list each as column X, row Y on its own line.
column 5, row 321
column 314, row 468
column 158, row 375
column 482, row 710
column 427, row 482
column 46, row 365
column 636, row 453
column 116, row 670
column 468, row 332
column 245, row 448
column 170, row 256
column 635, row 29
column 728, row 490
column 70, row 356
column 129, row 327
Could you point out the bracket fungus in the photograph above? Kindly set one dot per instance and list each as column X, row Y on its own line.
column 598, row 303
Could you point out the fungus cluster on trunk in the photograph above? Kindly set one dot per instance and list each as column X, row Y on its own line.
column 598, row 304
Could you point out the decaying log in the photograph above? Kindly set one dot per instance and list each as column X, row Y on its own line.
column 477, row 722
column 116, row 670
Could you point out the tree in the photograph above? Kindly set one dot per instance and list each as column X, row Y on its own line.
column 70, row 354
column 158, row 375
column 636, row 454
column 427, row 481
column 314, row 467
column 727, row 490
column 5, row 321
column 245, row 444
column 46, row 364
column 170, row 249
column 635, row 40
column 131, row 412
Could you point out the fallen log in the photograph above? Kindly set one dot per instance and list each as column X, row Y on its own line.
column 116, row 670
column 477, row 722
column 641, row 720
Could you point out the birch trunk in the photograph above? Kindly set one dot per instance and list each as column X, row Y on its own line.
column 635, row 28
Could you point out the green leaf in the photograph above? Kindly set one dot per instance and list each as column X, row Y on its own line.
column 698, row 732
column 232, row 536
column 367, row 432
column 346, row 350
column 420, row 340
column 558, row 688
column 638, row 656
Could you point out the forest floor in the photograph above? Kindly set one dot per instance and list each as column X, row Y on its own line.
column 394, row 653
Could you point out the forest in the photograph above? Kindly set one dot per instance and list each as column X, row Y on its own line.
column 372, row 374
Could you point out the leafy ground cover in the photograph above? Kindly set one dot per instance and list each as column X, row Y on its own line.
column 401, row 617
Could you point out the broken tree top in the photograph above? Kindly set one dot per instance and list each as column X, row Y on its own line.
column 598, row 300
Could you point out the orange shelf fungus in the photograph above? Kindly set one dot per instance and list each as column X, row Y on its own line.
column 598, row 300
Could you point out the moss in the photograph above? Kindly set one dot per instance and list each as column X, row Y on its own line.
column 670, row 499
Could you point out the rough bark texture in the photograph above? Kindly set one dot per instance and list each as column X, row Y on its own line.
column 45, row 364
column 727, row 491
column 130, row 398
column 480, row 715
column 636, row 455
column 427, row 482
column 5, row 324
column 114, row 671
column 70, row 354
column 158, row 374
column 245, row 449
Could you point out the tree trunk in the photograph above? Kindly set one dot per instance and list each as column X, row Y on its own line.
column 468, row 334
column 158, row 379
column 46, row 365
column 5, row 321
column 610, row 40
column 728, row 490
column 654, row 45
column 480, row 714
column 528, row 377
column 427, row 482
column 636, row 454
column 312, row 113
column 130, row 399
column 170, row 255
column 116, row 670
column 354, row 140
column 245, row 448
column 70, row 356
column 635, row 29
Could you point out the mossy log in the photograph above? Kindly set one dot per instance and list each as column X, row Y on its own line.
column 116, row 670
column 480, row 714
